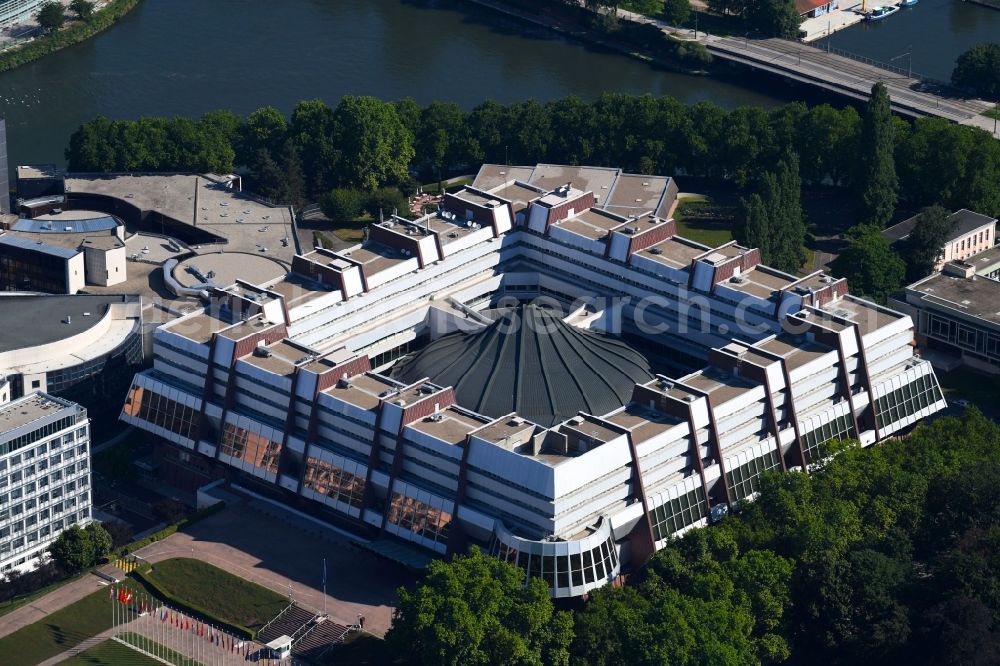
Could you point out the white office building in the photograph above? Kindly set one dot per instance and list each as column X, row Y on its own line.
column 44, row 476
column 543, row 368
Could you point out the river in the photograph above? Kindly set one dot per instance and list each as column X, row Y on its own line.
column 936, row 32
column 185, row 57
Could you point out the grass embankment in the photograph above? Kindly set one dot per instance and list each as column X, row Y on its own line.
column 74, row 33
column 702, row 220
column 13, row 604
column 214, row 594
column 57, row 632
column 111, row 653
column 994, row 112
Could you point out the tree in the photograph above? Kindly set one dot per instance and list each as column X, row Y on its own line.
column 677, row 12
column 83, row 8
column 925, row 243
column 342, row 204
column 877, row 183
column 385, row 201
column 771, row 219
column 311, row 130
column 871, row 267
column 978, row 69
column 374, row 148
column 753, row 226
column 774, row 18
column 73, row 550
column 100, row 541
column 478, row 610
column 51, row 16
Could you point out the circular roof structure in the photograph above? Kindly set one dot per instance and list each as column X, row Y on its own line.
column 223, row 269
column 531, row 362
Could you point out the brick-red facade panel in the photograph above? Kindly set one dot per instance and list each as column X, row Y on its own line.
column 351, row 368
column 652, row 236
column 426, row 406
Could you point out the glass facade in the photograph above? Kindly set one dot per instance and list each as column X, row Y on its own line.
column 841, row 427
column 907, row 400
column 335, row 483
column 420, row 518
column 163, row 412
column 23, row 269
column 569, row 568
column 250, row 447
column 44, row 488
column 674, row 515
column 744, row 481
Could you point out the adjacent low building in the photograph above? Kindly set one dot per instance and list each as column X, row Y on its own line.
column 13, row 12
column 83, row 348
column 543, row 368
column 62, row 256
column 957, row 312
column 44, row 476
column 971, row 233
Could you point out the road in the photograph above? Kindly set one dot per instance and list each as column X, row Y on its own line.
column 910, row 96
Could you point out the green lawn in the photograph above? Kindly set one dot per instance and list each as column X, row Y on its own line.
column 992, row 113
column 703, row 221
column 215, row 591
column 57, row 632
column 110, row 653
column 432, row 188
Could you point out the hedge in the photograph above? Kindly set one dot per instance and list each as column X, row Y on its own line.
column 60, row 39
column 167, row 531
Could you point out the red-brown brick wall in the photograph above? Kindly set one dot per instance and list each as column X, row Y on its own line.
column 355, row 366
column 426, row 406
column 249, row 343
column 652, row 236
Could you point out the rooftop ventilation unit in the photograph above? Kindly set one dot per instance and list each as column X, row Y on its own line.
column 262, row 352
column 655, row 250
column 436, row 418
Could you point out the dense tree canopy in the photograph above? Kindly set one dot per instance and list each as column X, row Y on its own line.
column 477, row 611
column 871, row 267
column 925, row 243
column 367, row 144
column 978, row 69
column 883, row 555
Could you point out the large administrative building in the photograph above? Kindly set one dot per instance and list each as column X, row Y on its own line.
column 543, row 368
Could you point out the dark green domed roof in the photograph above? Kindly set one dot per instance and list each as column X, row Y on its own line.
column 531, row 362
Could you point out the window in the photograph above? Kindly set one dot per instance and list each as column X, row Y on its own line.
column 36, row 383
column 250, row 447
column 339, row 485
column 813, row 441
column 676, row 514
column 967, row 337
column 163, row 412
column 744, row 480
column 422, row 519
column 907, row 400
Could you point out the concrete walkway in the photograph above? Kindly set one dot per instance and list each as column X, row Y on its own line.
column 285, row 554
column 55, row 600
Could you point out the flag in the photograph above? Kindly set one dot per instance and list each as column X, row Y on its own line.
column 201, row 630
column 111, row 591
column 163, row 618
column 128, row 597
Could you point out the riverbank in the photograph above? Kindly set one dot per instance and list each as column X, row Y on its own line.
column 686, row 57
column 73, row 34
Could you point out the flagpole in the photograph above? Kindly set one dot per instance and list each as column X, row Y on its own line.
column 324, row 586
